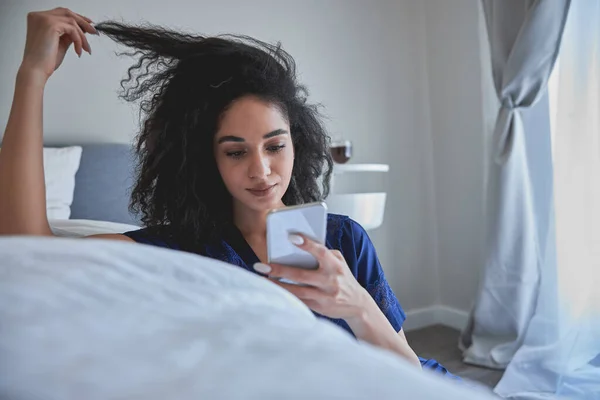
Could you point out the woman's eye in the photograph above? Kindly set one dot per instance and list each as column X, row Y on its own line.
column 235, row 154
column 275, row 149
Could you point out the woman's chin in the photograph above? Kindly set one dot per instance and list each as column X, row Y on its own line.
column 268, row 206
column 264, row 204
column 260, row 202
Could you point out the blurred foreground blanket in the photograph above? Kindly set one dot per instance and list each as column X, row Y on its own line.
column 100, row 319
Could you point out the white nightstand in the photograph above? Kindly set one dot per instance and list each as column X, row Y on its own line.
column 365, row 208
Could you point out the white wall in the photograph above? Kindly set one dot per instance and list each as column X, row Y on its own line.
column 365, row 61
column 411, row 240
column 458, row 92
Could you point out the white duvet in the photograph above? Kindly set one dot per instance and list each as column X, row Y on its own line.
column 99, row 319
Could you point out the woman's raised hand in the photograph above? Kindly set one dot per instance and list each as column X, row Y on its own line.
column 49, row 36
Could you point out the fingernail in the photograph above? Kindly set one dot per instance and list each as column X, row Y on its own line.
column 262, row 268
column 296, row 239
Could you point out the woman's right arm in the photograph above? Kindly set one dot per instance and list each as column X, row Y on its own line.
column 22, row 187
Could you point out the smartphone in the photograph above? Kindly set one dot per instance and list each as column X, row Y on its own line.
column 309, row 219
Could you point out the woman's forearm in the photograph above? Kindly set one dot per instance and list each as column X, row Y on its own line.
column 22, row 187
column 373, row 327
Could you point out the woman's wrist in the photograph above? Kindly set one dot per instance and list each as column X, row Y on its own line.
column 31, row 77
column 367, row 318
column 364, row 308
column 372, row 326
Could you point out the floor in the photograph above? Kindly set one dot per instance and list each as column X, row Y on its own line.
column 440, row 342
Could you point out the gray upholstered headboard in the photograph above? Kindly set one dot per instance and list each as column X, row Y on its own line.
column 103, row 184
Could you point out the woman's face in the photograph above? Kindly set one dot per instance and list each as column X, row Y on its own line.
column 254, row 154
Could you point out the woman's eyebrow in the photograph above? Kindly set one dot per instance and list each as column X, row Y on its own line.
column 237, row 139
column 275, row 133
column 230, row 138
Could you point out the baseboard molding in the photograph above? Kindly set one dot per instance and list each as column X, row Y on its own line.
column 423, row 317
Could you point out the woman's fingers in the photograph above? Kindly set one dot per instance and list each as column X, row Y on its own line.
column 84, row 23
column 313, row 298
column 300, row 275
column 304, row 293
column 80, row 34
column 319, row 251
column 66, row 28
column 85, row 44
column 65, row 12
column 86, row 18
column 49, row 36
column 81, row 23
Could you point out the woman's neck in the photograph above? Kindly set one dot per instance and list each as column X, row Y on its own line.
column 251, row 223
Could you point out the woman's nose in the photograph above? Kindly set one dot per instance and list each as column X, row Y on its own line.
column 259, row 167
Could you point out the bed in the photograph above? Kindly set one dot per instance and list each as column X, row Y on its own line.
column 101, row 319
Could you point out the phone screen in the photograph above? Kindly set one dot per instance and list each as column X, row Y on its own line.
column 308, row 219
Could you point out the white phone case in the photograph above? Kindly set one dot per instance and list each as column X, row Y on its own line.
column 308, row 219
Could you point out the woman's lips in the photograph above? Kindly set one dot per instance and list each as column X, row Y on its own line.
column 263, row 191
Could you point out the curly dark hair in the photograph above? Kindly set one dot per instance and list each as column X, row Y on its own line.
column 185, row 83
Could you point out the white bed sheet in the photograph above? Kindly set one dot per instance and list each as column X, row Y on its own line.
column 87, row 227
column 99, row 319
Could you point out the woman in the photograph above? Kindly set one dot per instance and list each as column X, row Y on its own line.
column 228, row 135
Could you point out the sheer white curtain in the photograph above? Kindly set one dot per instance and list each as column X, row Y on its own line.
column 524, row 38
column 560, row 356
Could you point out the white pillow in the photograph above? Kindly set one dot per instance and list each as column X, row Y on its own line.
column 60, row 167
column 87, row 227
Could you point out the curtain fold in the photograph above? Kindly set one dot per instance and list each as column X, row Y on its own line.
column 524, row 38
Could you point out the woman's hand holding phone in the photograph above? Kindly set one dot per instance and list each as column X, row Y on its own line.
column 330, row 290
